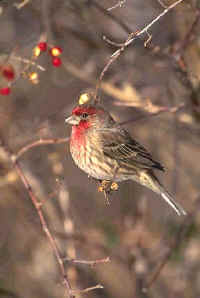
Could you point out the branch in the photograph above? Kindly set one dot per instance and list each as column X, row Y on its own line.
column 28, row 62
column 147, row 27
column 74, row 292
column 40, row 142
column 171, row 110
column 22, row 4
column 13, row 158
column 132, row 100
column 119, row 4
column 183, row 45
column 113, row 17
column 132, row 36
column 38, row 206
column 92, row 263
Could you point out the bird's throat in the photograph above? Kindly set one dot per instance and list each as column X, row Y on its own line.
column 78, row 137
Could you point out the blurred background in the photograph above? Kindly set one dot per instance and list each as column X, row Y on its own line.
column 137, row 230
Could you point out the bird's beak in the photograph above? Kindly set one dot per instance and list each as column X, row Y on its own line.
column 73, row 120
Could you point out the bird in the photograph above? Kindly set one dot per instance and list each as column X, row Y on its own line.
column 104, row 150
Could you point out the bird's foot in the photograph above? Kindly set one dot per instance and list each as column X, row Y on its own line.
column 107, row 187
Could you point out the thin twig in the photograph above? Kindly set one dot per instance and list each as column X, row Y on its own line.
column 111, row 42
column 119, row 4
column 162, row 14
column 22, row 4
column 113, row 17
column 92, row 263
column 162, row 110
column 74, row 292
column 115, row 92
column 162, row 4
column 178, row 53
column 29, row 62
column 132, row 36
column 40, row 142
column 38, row 206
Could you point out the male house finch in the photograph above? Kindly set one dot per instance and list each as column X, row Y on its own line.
column 105, row 151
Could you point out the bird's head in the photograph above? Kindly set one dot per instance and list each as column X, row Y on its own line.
column 88, row 116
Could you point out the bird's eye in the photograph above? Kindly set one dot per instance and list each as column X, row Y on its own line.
column 84, row 116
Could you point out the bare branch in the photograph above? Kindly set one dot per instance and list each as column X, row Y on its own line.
column 113, row 17
column 40, row 142
column 119, row 4
column 162, row 4
column 132, row 36
column 178, row 53
column 162, row 14
column 160, row 111
column 38, row 208
column 92, row 263
column 74, row 292
column 118, row 94
column 22, row 4
column 29, row 62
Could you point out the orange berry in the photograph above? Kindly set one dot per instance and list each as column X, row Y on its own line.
column 36, row 51
column 33, row 77
column 55, row 51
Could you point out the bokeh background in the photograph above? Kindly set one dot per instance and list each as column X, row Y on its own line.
column 137, row 230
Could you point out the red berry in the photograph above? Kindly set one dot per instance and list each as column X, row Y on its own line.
column 5, row 91
column 8, row 73
column 55, row 51
column 56, row 61
column 42, row 46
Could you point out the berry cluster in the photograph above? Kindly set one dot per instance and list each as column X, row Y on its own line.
column 55, row 52
column 7, row 71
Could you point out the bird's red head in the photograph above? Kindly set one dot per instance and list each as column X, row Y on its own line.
column 86, row 116
column 82, row 110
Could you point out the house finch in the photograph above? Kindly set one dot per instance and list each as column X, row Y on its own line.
column 105, row 151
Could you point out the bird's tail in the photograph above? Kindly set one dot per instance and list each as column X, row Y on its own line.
column 168, row 198
column 156, row 186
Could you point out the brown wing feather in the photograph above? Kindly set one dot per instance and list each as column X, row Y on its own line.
column 122, row 147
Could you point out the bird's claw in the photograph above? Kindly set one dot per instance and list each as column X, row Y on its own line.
column 107, row 187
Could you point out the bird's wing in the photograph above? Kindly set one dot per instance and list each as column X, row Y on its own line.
column 118, row 144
